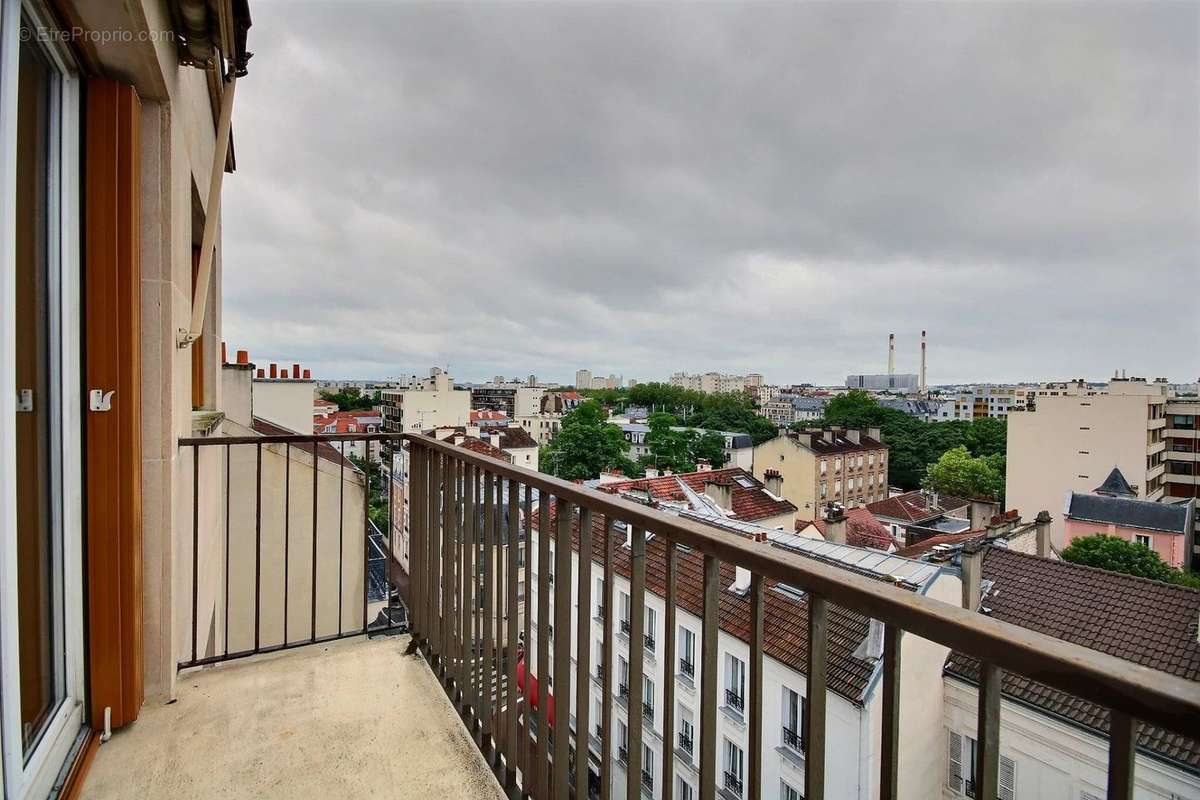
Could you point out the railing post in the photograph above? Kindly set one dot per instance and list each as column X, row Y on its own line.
column 512, row 544
column 562, row 647
column 814, row 720
column 754, row 713
column 889, row 774
column 637, row 657
column 523, row 759
column 987, row 754
column 487, row 672
column 541, row 768
column 708, row 680
column 669, row 633
column 195, row 543
column 1122, row 744
column 312, row 633
column 432, row 540
column 606, row 688
column 583, row 657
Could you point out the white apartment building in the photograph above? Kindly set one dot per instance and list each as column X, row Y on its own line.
column 1069, row 442
column 427, row 404
column 714, row 382
column 853, row 702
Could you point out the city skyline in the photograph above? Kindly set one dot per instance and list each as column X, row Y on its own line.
column 746, row 187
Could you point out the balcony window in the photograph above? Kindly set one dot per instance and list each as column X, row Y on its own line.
column 647, row 767
column 687, row 731
column 600, row 597
column 623, row 607
column 788, row 792
column 622, row 677
column 648, row 698
column 735, row 682
column 684, row 790
column 687, row 652
column 622, row 742
column 651, row 619
column 733, row 768
column 793, row 721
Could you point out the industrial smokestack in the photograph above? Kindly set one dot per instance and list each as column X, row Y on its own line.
column 891, row 354
column 922, row 379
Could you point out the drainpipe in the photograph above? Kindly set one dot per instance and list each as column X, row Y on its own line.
column 213, row 213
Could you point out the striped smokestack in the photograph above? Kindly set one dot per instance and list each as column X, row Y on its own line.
column 922, row 381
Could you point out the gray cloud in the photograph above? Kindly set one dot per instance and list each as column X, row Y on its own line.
column 639, row 188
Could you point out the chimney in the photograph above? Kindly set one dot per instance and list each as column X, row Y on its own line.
column 971, row 565
column 274, row 371
column 224, row 357
column 773, row 480
column 891, row 354
column 296, row 371
column 720, row 493
column 243, row 357
column 835, row 524
column 262, row 373
column 628, row 535
column 803, row 438
column 981, row 512
column 922, row 377
column 283, row 374
column 1042, row 521
column 703, row 465
column 459, row 439
column 874, row 644
column 854, row 435
column 651, row 472
column 741, row 581
column 875, row 433
column 442, row 434
column 827, row 436
column 308, row 374
column 495, row 439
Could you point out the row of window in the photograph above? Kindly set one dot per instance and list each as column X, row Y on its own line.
column 732, row 777
column 851, row 462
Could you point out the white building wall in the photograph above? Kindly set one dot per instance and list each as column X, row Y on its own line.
column 1054, row 760
column 285, row 402
column 845, row 721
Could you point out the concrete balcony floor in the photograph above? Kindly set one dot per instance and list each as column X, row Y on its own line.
column 355, row 718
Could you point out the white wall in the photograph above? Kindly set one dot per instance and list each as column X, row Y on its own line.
column 288, row 403
column 1054, row 760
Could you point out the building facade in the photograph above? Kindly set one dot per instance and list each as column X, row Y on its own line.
column 430, row 403
column 1068, row 442
column 834, row 465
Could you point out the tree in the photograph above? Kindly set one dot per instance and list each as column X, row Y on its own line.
column 1118, row 555
column 669, row 448
column 351, row 399
column 959, row 473
column 586, row 445
column 710, row 446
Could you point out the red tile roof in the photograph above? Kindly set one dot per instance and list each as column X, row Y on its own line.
column 511, row 437
column 926, row 545
column 482, row 414
column 862, row 529
column 1140, row 620
column 749, row 503
column 915, row 506
column 349, row 422
column 484, row 448
column 785, row 618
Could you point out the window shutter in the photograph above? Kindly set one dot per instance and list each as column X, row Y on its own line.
column 1008, row 779
column 954, row 777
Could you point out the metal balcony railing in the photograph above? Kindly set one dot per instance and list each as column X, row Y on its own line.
column 648, row 712
column 649, row 641
column 735, row 700
column 291, row 557
column 792, row 739
column 625, row 627
column 685, row 742
column 687, row 668
column 450, row 534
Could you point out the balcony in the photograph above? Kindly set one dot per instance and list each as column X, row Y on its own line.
column 259, row 723
column 308, row 701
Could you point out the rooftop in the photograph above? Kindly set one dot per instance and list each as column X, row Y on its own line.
column 916, row 506
column 751, row 500
column 862, row 529
column 1147, row 622
column 1129, row 512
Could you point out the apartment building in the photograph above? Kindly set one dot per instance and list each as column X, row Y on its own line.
column 1114, row 510
column 786, row 410
column 854, row 695
column 834, row 465
column 714, row 382
column 514, row 401
column 1068, row 442
column 430, row 403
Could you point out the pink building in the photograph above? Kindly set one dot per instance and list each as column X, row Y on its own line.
column 1114, row 509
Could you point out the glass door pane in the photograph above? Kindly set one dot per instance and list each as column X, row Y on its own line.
column 38, row 424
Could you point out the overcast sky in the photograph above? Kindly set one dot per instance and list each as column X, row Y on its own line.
column 640, row 188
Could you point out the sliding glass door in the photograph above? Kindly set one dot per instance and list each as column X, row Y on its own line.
column 41, row 672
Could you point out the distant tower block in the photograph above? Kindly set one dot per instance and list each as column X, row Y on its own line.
column 921, row 381
column 891, row 354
